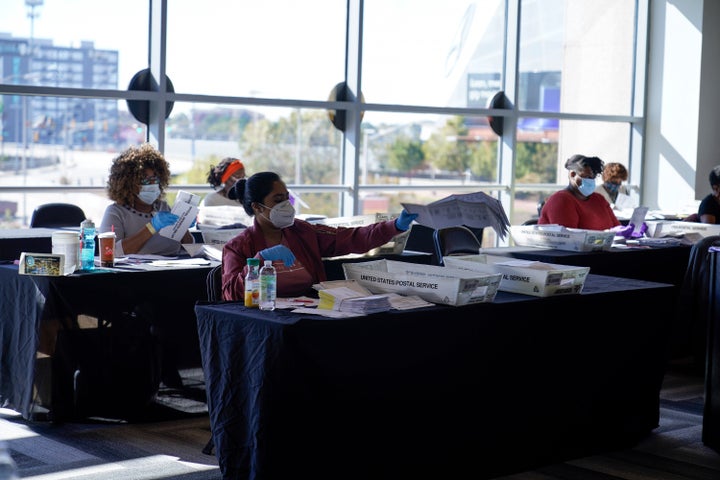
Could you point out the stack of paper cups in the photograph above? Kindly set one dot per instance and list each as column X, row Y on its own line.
column 67, row 243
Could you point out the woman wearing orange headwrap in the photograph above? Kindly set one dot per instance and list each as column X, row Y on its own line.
column 222, row 178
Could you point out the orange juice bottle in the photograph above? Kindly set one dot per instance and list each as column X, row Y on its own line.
column 252, row 284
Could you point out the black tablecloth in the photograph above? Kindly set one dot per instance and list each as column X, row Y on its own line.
column 711, row 414
column 29, row 302
column 13, row 241
column 477, row 391
column 665, row 265
column 21, row 310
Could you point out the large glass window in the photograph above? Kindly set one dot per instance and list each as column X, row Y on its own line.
column 272, row 48
column 577, row 56
column 253, row 80
column 433, row 53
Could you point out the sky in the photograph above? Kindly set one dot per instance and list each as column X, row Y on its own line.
column 220, row 47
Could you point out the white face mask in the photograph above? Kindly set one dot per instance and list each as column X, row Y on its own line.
column 149, row 193
column 282, row 215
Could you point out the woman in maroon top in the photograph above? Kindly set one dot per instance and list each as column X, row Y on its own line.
column 295, row 247
column 578, row 206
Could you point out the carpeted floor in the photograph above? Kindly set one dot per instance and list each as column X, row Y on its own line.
column 168, row 443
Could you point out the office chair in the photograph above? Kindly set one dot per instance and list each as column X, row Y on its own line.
column 213, row 282
column 56, row 215
column 534, row 220
column 458, row 240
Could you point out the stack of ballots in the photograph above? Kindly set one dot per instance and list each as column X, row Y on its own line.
column 475, row 210
column 349, row 300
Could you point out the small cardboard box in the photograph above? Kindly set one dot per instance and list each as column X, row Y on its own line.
column 669, row 228
column 46, row 264
column 562, row 238
column 443, row 285
column 528, row 277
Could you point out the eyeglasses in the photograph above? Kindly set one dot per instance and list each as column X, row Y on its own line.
column 151, row 180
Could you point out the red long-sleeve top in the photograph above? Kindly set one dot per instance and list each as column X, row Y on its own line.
column 564, row 208
column 309, row 243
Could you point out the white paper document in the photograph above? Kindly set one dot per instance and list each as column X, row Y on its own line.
column 219, row 236
column 475, row 210
column 186, row 208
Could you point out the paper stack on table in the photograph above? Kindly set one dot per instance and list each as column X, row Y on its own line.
column 475, row 210
column 349, row 300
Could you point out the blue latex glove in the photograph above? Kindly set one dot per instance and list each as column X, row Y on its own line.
column 279, row 252
column 403, row 222
column 163, row 219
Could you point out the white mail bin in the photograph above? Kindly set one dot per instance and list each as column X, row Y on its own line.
column 431, row 283
column 528, row 277
column 562, row 238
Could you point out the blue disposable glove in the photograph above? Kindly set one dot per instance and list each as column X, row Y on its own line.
column 278, row 252
column 403, row 222
column 163, row 219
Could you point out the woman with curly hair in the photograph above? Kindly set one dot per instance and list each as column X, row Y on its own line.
column 613, row 175
column 137, row 183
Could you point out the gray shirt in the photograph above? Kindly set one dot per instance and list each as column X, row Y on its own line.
column 126, row 221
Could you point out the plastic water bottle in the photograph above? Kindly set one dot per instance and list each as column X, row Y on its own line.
column 8, row 467
column 252, row 284
column 268, row 286
column 87, row 245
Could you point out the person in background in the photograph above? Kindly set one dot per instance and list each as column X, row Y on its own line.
column 295, row 247
column 222, row 178
column 578, row 206
column 709, row 209
column 219, row 208
column 613, row 174
column 137, row 182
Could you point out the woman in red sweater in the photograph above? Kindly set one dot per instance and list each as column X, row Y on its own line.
column 295, row 247
column 578, row 206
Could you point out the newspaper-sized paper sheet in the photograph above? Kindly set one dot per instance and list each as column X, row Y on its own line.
column 186, row 208
column 476, row 210
column 219, row 236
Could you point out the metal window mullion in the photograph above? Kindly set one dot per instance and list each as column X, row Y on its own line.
column 157, row 56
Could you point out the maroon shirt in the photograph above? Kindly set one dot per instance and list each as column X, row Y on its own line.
column 309, row 243
column 564, row 208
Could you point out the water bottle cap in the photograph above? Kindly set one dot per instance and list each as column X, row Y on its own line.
column 268, row 263
column 253, row 262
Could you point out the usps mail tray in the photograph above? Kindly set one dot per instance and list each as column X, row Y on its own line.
column 667, row 228
column 528, row 277
column 555, row 236
column 434, row 284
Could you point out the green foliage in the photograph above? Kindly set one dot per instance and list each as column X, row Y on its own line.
column 446, row 148
column 274, row 146
column 483, row 160
column 405, row 154
column 536, row 162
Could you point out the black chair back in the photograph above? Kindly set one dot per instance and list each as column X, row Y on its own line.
column 56, row 215
column 213, row 283
column 455, row 241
